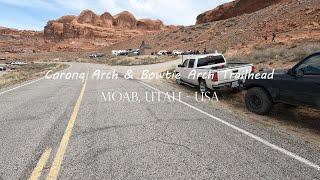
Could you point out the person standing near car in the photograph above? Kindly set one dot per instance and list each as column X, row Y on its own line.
column 274, row 37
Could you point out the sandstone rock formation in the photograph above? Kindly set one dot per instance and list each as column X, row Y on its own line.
column 125, row 20
column 233, row 9
column 88, row 17
column 66, row 19
column 89, row 25
column 107, row 20
column 148, row 24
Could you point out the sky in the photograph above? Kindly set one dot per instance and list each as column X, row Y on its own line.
column 34, row 14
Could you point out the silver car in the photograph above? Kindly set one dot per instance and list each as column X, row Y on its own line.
column 2, row 68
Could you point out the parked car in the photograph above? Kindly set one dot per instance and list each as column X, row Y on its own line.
column 2, row 68
column 134, row 52
column 96, row 55
column 299, row 85
column 19, row 63
column 114, row 52
column 177, row 52
column 188, row 52
column 162, row 53
column 219, row 72
column 119, row 52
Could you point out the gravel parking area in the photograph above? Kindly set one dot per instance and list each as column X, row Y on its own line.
column 2, row 73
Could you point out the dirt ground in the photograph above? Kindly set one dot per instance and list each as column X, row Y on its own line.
column 18, row 74
column 301, row 121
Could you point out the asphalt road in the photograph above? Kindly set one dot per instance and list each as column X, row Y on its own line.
column 65, row 129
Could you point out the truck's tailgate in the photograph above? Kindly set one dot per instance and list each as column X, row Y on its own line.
column 233, row 72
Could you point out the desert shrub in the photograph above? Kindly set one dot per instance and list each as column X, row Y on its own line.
column 294, row 52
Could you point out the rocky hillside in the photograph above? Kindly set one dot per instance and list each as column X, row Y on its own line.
column 20, row 41
column 292, row 21
column 234, row 9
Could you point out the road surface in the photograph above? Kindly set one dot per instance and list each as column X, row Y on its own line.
column 64, row 129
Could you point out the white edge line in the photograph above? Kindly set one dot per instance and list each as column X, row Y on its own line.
column 17, row 87
column 265, row 142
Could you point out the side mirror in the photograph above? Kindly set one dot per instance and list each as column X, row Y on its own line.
column 291, row 72
column 180, row 65
column 300, row 73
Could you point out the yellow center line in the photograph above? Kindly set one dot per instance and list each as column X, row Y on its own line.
column 41, row 163
column 55, row 167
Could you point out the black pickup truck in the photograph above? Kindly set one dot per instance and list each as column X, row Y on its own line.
column 297, row 86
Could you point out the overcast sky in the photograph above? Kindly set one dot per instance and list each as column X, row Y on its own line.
column 33, row 14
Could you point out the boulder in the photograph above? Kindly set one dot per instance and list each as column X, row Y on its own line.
column 106, row 20
column 150, row 25
column 125, row 20
column 88, row 17
column 67, row 19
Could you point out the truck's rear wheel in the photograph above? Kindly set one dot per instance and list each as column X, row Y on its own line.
column 178, row 79
column 258, row 101
column 203, row 88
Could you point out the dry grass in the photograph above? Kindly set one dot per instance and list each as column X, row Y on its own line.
column 280, row 52
column 138, row 60
column 28, row 72
column 303, row 121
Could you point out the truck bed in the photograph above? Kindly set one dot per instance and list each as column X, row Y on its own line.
column 226, row 74
column 227, row 66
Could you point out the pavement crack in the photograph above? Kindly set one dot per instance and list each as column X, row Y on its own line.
column 153, row 114
column 95, row 154
column 178, row 145
column 94, row 130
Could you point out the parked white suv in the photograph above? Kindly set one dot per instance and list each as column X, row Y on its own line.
column 211, row 72
column 177, row 52
column 19, row 63
column 162, row 53
column 119, row 52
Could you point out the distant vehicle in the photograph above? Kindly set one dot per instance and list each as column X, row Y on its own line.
column 134, row 52
column 119, row 52
column 19, row 63
column 219, row 74
column 2, row 68
column 162, row 53
column 188, row 52
column 96, row 55
column 298, row 86
column 114, row 52
column 177, row 52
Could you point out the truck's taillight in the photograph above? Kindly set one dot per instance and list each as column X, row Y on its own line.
column 215, row 77
column 253, row 69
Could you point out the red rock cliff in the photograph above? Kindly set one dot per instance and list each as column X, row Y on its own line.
column 233, row 9
column 89, row 25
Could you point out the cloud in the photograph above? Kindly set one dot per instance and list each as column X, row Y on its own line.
column 178, row 12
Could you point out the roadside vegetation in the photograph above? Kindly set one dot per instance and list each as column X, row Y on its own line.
column 138, row 60
column 84, row 58
column 19, row 74
column 277, row 55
